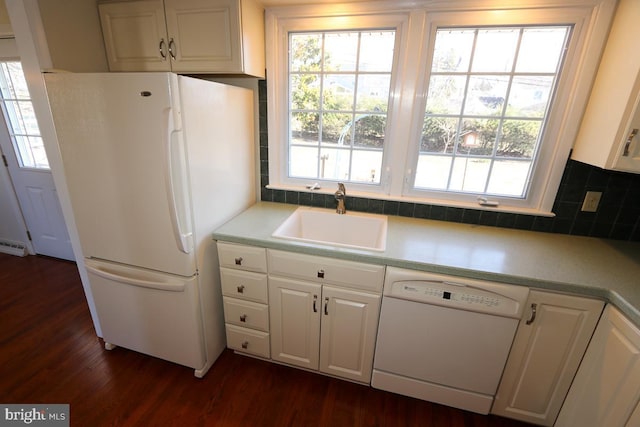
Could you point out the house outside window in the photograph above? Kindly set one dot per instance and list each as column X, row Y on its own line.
column 469, row 108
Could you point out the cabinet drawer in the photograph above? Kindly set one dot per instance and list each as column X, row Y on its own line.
column 246, row 314
column 248, row 340
column 244, row 285
column 242, row 257
column 369, row 277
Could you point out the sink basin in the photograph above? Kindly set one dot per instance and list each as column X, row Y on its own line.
column 325, row 226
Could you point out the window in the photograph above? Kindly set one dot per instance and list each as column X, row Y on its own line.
column 454, row 107
column 339, row 94
column 20, row 117
column 488, row 98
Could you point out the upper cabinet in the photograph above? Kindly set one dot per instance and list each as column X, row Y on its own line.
column 184, row 36
column 608, row 135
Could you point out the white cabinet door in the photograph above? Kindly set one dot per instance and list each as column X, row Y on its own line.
column 295, row 321
column 204, row 35
column 545, row 356
column 608, row 136
column 606, row 389
column 349, row 326
column 135, row 36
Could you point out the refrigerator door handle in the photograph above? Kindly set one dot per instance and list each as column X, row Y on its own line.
column 168, row 285
column 177, row 187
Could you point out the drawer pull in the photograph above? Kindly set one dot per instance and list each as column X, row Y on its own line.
column 241, row 289
column 238, row 260
column 632, row 135
column 534, row 309
column 321, row 274
column 245, row 344
column 243, row 318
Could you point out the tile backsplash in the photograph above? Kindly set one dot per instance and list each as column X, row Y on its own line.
column 617, row 217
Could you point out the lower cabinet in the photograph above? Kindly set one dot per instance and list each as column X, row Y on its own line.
column 606, row 390
column 545, row 356
column 323, row 327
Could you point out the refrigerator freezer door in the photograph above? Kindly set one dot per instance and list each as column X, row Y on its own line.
column 153, row 313
column 121, row 144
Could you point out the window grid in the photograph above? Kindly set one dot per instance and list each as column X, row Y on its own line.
column 347, row 143
column 20, row 117
column 457, row 152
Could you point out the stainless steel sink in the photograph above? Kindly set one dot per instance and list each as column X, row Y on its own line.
column 325, row 226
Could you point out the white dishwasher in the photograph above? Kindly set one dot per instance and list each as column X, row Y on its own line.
column 445, row 339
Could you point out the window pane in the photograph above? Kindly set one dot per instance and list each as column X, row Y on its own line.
column 376, row 51
column 433, row 172
column 304, row 128
column 486, row 95
column 303, row 162
column 340, row 51
column 305, row 92
column 478, row 136
column 369, row 130
column 373, row 92
column 366, row 166
column 509, row 178
column 519, row 138
column 335, row 164
column 495, row 50
column 541, row 50
column 305, row 52
column 335, row 127
column 338, row 91
column 439, row 134
column 469, row 174
column 529, row 96
column 453, row 50
column 446, row 94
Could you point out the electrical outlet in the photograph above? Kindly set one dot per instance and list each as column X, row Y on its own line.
column 591, row 201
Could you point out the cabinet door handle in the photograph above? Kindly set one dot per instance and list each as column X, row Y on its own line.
column 172, row 48
column 326, row 306
column 534, row 310
column 315, row 303
column 243, row 318
column 632, row 135
column 241, row 289
column 245, row 344
column 161, row 49
column 238, row 260
column 321, row 274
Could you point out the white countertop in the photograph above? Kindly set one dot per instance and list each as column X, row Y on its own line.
column 606, row 269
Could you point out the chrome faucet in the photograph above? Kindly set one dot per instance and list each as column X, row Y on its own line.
column 340, row 196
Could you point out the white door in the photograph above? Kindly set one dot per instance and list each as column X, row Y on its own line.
column 26, row 160
column 545, row 356
column 124, row 160
column 349, row 326
column 294, row 308
column 135, row 36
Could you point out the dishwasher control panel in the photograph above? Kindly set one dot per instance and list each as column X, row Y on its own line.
column 462, row 293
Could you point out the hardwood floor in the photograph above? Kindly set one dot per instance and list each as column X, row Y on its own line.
column 49, row 353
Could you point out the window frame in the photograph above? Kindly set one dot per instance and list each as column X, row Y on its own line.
column 416, row 27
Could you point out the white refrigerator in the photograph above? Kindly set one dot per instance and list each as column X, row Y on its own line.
column 154, row 162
